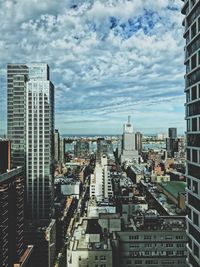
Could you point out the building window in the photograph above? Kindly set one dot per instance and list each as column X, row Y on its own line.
column 196, row 250
column 194, row 92
column 193, row 30
column 194, row 155
column 195, row 187
column 138, row 261
column 133, row 237
column 189, row 183
column 189, row 213
column 194, row 63
column 147, row 237
column 188, row 125
column 194, row 124
column 188, row 96
column 193, row 170
column 190, row 243
column 195, row 219
column 188, row 154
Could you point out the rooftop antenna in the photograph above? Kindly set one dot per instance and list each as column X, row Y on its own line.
column 129, row 119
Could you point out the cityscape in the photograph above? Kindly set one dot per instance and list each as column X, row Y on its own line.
column 106, row 181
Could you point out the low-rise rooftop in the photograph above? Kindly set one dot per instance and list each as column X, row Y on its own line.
column 174, row 187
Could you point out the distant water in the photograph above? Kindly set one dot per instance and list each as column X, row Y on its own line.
column 154, row 146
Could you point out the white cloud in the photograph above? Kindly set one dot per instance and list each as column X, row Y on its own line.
column 101, row 71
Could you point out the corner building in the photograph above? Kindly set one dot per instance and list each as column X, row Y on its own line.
column 191, row 22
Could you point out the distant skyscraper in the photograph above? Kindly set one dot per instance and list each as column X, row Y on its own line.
column 56, row 145
column 129, row 152
column 17, row 75
column 172, row 142
column 172, row 133
column 82, row 149
column 62, row 150
column 102, row 147
column 138, row 141
column 191, row 10
column 39, row 142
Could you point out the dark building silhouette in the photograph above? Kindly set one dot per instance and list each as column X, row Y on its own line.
column 191, row 10
column 4, row 155
column 172, row 133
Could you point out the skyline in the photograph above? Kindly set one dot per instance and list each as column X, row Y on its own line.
column 109, row 59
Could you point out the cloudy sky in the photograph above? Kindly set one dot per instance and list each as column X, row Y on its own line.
column 108, row 59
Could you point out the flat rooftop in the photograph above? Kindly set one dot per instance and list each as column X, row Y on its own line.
column 156, row 223
column 174, row 187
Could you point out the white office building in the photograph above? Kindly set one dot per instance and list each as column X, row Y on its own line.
column 100, row 184
column 39, row 142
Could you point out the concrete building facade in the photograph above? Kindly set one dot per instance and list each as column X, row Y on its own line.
column 100, row 183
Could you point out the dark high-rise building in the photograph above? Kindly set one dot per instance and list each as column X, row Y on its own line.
column 4, row 155
column 81, row 149
column 102, row 147
column 56, row 145
column 13, row 251
column 11, row 217
column 172, row 132
column 172, row 142
column 191, row 10
column 17, row 75
column 138, row 141
column 43, row 236
column 62, row 150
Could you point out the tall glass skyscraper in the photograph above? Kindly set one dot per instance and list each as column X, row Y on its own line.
column 191, row 10
column 30, row 129
column 39, row 142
